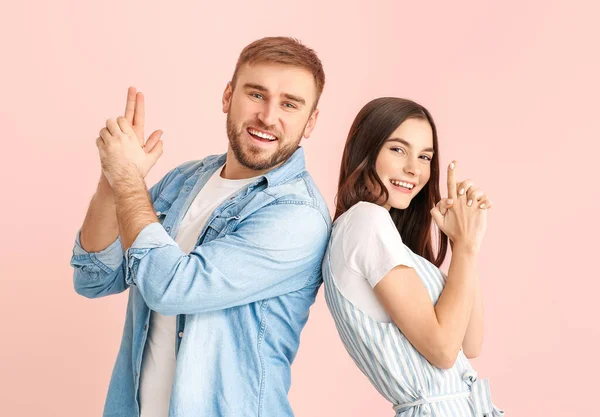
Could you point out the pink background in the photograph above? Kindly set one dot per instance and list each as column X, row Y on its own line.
column 513, row 87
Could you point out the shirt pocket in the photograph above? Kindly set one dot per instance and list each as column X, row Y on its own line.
column 219, row 227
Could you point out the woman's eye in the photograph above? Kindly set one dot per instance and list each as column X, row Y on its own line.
column 426, row 157
column 399, row 150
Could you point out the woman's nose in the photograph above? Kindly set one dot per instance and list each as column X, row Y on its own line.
column 412, row 169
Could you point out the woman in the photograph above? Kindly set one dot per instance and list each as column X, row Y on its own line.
column 408, row 327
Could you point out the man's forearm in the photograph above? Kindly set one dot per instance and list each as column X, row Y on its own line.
column 133, row 207
column 100, row 227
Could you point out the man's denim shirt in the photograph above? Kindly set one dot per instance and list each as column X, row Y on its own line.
column 241, row 297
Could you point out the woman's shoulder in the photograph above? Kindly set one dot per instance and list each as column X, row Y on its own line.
column 364, row 212
column 365, row 220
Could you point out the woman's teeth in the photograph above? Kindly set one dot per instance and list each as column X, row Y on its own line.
column 261, row 134
column 402, row 184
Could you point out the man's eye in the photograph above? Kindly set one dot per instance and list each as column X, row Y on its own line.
column 256, row 95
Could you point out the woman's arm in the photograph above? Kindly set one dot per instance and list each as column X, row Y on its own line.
column 474, row 336
column 436, row 332
column 473, row 339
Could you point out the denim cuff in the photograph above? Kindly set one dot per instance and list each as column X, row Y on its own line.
column 109, row 259
column 152, row 236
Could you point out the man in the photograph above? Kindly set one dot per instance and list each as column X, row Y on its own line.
column 222, row 257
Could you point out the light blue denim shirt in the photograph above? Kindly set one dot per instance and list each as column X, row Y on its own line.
column 241, row 297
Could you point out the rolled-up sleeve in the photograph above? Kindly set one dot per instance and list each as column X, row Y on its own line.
column 151, row 237
column 97, row 274
column 276, row 250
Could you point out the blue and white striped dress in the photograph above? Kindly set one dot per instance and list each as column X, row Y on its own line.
column 364, row 246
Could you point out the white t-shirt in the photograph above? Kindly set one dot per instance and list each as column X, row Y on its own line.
column 158, row 362
column 365, row 246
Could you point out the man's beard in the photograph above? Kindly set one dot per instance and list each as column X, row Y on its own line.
column 251, row 158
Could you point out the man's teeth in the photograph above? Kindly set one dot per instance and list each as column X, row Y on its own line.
column 402, row 184
column 262, row 135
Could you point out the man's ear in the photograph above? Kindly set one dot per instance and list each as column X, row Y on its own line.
column 227, row 94
column 312, row 121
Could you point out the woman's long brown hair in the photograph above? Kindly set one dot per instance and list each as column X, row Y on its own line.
column 373, row 125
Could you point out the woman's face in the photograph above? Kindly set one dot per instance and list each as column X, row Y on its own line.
column 404, row 162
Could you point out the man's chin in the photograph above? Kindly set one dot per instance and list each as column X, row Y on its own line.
column 257, row 161
column 257, row 165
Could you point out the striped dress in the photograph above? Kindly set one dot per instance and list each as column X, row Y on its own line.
column 364, row 246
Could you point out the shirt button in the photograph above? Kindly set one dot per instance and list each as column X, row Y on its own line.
column 168, row 229
column 188, row 189
column 145, row 327
column 136, row 374
column 180, row 334
column 158, row 213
